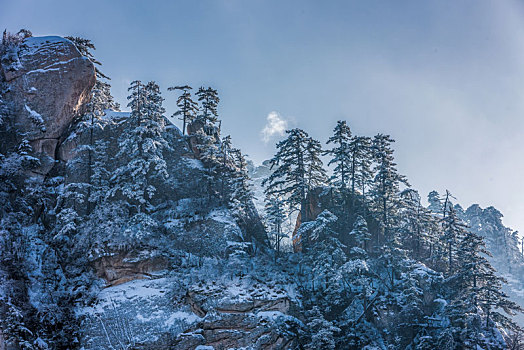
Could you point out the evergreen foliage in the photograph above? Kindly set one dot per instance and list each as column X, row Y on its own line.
column 187, row 108
column 298, row 169
column 144, row 144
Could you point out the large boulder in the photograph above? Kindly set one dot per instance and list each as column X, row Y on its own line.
column 48, row 87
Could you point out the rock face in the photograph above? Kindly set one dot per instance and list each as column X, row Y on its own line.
column 194, row 306
column 124, row 267
column 312, row 209
column 49, row 85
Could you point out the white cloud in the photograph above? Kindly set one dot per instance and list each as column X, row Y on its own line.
column 275, row 126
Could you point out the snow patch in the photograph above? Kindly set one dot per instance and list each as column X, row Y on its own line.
column 35, row 116
column 221, row 216
column 130, row 291
column 181, row 316
column 41, row 70
column 33, row 44
column 194, row 163
column 115, row 116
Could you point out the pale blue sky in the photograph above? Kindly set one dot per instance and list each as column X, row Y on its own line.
column 444, row 78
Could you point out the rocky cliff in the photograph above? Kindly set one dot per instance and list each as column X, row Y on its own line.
column 190, row 279
column 49, row 83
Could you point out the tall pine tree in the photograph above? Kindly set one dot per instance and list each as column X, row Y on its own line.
column 297, row 168
column 386, row 184
column 143, row 143
column 340, row 155
column 187, row 108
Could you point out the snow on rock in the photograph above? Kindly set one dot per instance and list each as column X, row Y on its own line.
column 192, row 306
column 132, row 313
column 48, row 87
column 223, row 216
column 36, row 118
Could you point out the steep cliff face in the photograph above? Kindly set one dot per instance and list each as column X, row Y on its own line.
column 49, row 83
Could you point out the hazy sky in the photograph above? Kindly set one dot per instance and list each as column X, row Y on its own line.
column 444, row 78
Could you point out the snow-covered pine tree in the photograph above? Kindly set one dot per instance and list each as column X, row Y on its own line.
column 322, row 331
column 187, row 108
column 447, row 204
column 241, row 192
column 477, row 298
column 340, row 155
column 226, row 166
column 275, row 214
column 419, row 227
column 100, row 173
column 359, row 235
column 315, row 172
column 453, row 231
column 16, row 216
column 361, row 156
column 435, row 202
column 208, row 98
column 101, row 100
column 296, row 163
column 211, row 156
column 324, row 255
column 226, row 150
column 386, row 184
column 143, row 144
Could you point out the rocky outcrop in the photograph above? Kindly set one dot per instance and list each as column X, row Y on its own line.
column 124, row 267
column 311, row 210
column 264, row 330
column 48, row 87
column 186, row 309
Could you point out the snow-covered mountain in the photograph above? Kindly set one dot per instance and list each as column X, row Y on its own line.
column 118, row 230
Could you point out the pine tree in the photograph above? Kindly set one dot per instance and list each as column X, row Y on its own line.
column 85, row 46
column 322, row 331
column 226, row 150
column 324, row 254
column 419, row 228
column 447, row 204
column 143, row 143
column 187, row 108
column 340, row 154
column 477, row 298
column 454, row 230
column 298, row 169
column 211, row 157
column 100, row 174
column 315, row 172
column 359, row 235
column 275, row 215
column 387, row 181
column 435, row 202
column 208, row 97
column 241, row 192
column 361, row 156
column 101, row 100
